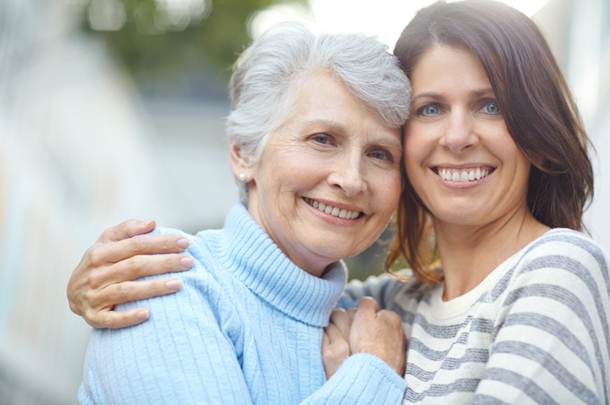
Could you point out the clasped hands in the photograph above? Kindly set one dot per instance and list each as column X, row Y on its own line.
column 365, row 329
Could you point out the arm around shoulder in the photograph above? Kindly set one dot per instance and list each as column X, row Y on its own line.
column 185, row 353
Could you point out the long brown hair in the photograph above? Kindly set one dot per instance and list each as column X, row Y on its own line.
column 537, row 107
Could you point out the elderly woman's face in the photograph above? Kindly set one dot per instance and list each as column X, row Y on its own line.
column 328, row 179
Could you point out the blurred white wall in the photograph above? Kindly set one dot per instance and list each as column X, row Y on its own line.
column 579, row 33
column 78, row 153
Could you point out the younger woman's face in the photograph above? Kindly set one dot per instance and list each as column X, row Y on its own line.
column 459, row 155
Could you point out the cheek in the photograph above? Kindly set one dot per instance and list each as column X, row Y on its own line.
column 418, row 144
column 412, row 161
column 387, row 191
column 523, row 172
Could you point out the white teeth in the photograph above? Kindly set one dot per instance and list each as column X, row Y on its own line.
column 334, row 211
column 463, row 175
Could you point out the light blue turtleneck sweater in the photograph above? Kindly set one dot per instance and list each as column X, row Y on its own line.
column 245, row 328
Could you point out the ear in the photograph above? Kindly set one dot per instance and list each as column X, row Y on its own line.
column 242, row 166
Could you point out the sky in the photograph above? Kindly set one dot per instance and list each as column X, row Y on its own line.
column 382, row 18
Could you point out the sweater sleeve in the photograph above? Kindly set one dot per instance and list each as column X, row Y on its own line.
column 362, row 379
column 552, row 337
column 184, row 354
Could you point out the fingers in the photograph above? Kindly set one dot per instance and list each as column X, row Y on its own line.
column 368, row 304
column 112, row 319
column 103, row 253
column 126, row 229
column 378, row 332
column 128, row 291
column 367, row 310
column 335, row 349
column 138, row 266
column 342, row 320
column 325, row 341
column 338, row 347
column 389, row 317
column 334, row 334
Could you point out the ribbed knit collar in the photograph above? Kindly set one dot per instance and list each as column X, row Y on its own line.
column 255, row 260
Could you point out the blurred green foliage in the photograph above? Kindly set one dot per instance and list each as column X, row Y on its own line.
column 150, row 52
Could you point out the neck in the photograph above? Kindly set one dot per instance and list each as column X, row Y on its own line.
column 316, row 266
column 470, row 253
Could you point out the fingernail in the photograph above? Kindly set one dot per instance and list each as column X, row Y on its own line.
column 173, row 284
column 142, row 315
column 186, row 262
column 183, row 243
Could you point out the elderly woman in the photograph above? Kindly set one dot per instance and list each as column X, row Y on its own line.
column 315, row 146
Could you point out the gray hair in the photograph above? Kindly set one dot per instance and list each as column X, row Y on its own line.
column 265, row 73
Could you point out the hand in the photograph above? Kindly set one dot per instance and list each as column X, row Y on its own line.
column 379, row 333
column 104, row 277
column 335, row 344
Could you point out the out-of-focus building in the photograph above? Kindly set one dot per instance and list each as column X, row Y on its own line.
column 79, row 153
column 583, row 42
column 579, row 33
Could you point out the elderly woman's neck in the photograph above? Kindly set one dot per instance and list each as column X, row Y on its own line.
column 298, row 253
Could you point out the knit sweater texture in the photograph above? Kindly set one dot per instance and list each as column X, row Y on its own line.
column 245, row 328
column 534, row 331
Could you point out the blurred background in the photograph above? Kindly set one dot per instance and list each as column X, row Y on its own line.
column 111, row 109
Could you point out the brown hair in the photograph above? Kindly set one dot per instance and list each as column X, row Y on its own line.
column 537, row 107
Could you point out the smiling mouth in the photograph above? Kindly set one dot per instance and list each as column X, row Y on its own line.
column 334, row 211
column 465, row 175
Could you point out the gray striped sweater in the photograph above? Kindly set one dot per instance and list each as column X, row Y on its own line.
column 536, row 330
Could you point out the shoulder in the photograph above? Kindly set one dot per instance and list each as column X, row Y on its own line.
column 564, row 274
column 203, row 286
column 569, row 244
column 198, row 244
column 553, row 309
column 204, row 261
column 564, row 254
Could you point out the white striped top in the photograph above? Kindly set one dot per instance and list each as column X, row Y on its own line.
column 536, row 330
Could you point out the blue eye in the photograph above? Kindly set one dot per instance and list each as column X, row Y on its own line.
column 490, row 107
column 322, row 138
column 381, row 154
column 429, row 110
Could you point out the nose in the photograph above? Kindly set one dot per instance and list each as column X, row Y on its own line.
column 347, row 175
column 459, row 134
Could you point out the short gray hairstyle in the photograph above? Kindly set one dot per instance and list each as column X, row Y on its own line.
column 265, row 73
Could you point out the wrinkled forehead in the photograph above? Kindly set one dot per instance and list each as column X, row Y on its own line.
column 319, row 99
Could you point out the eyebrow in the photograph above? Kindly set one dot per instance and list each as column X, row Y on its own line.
column 330, row 124
column 435, row 95
column 335, row 126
